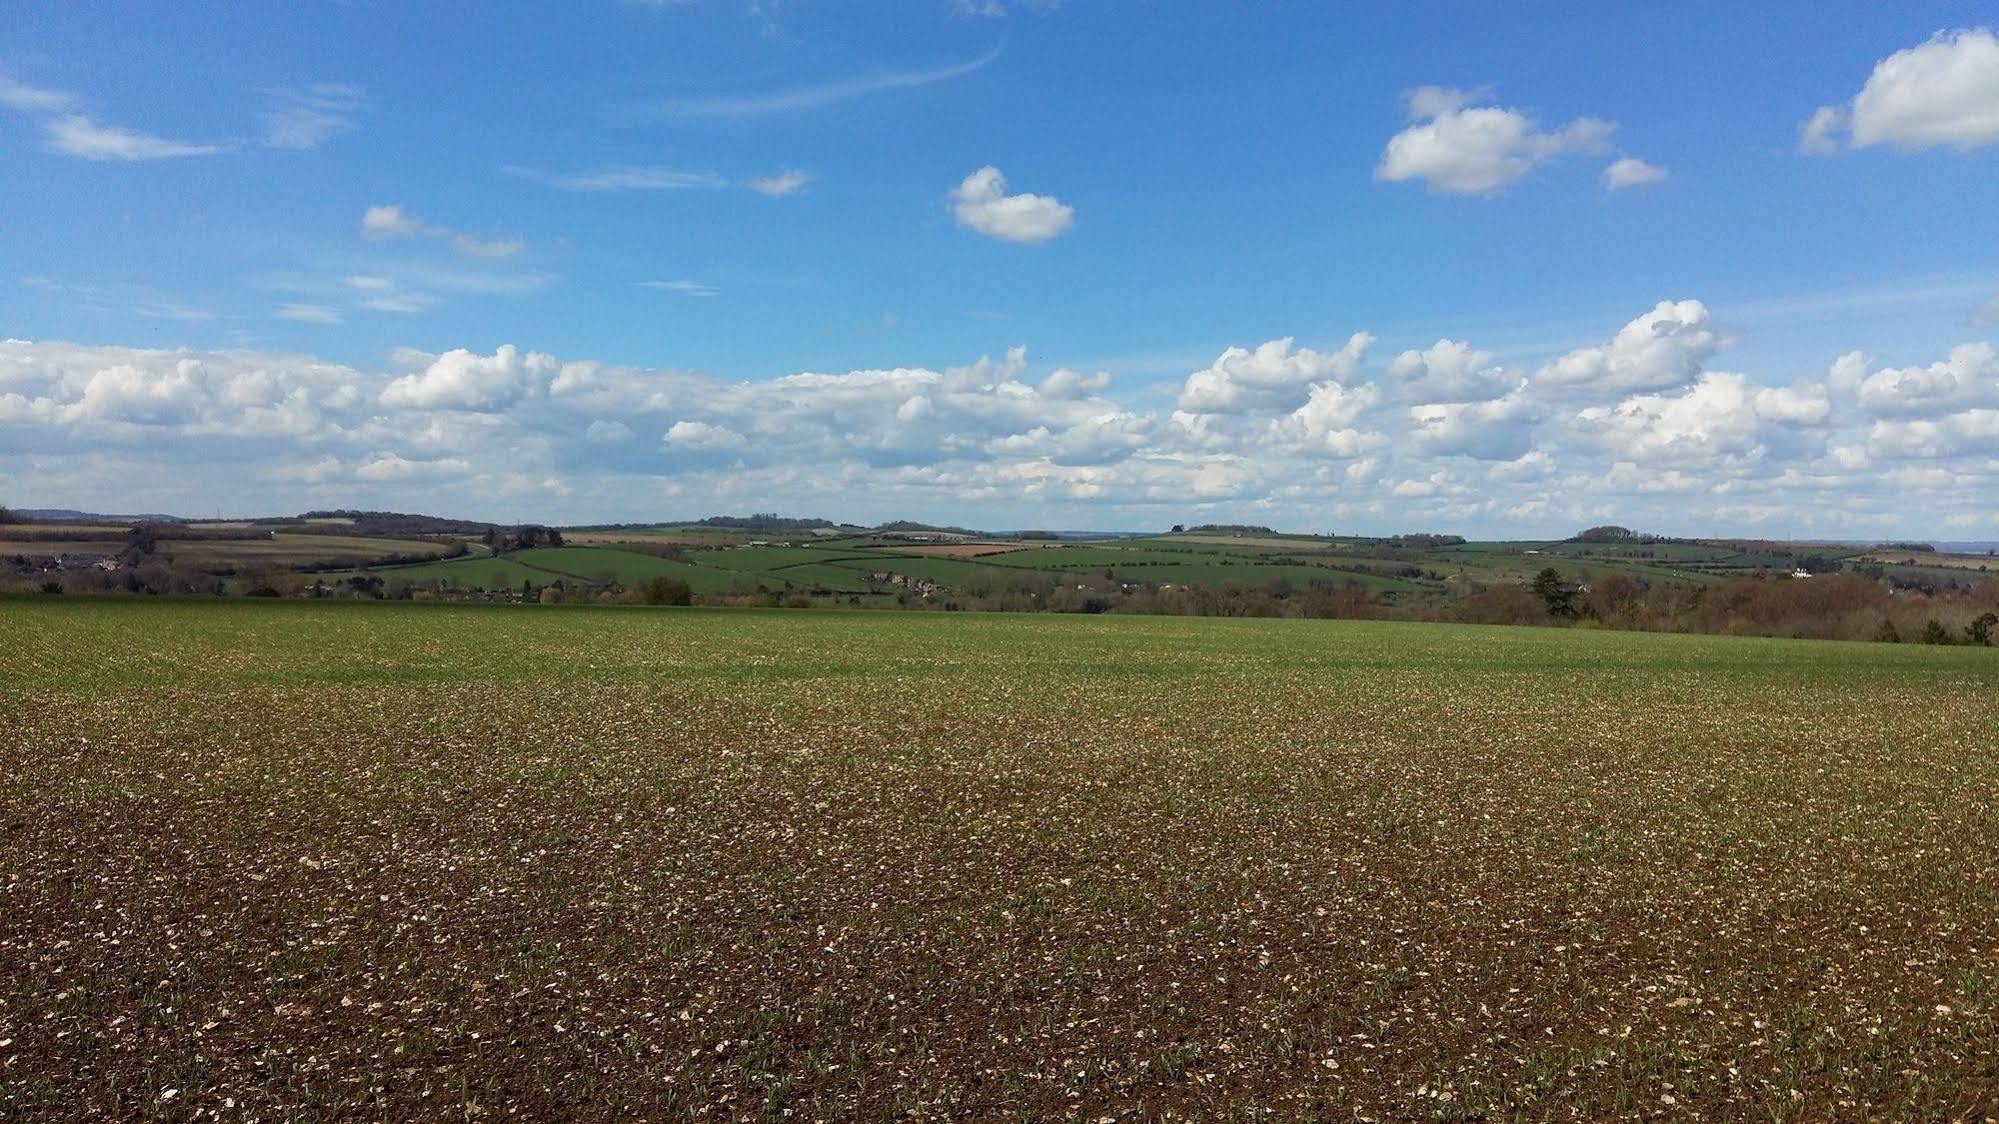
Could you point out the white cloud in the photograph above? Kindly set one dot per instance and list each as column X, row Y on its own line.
column 981, row 204
column 67, row 130
column 1499, row 430
column 1328, row 423
column 1274, row 376
column 1457, row 148
column 1722, row 418
column 700, row 435
column 1661, row 349
column 298, row 119
column 1632, row 172
column 1969, row 378
column 387, row 221
column 1820, row 134
column 788, row 182
column 80, row 136
column 1941, row 93
column 1449, row 371
column 464, row 380
column 1284, row 435
column 393, row 466
column 1065, row 383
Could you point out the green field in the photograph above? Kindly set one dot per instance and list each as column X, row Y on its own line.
column 322, row 860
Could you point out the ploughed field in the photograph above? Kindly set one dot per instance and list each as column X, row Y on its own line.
column 312, row 861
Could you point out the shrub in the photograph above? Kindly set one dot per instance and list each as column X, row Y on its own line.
column 663, row 590
column 1887, row 634
column 1935, row 633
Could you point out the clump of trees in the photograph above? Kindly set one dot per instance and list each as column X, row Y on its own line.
column 765, row 521
column 1612, row 533
column 528, row 537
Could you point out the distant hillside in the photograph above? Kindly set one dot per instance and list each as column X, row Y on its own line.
column 70, row 515
column 400, row 523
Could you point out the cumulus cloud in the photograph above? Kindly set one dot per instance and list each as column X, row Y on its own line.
column 1287, row 434
column 106, row 390
column 1967, row 379
column 981, row 204
column 1449, row 371
column 1458, row 148
column 1722, row 418
column 464, row 380
column 1630, row 172
column 1663, row 348
column 1065, row 383
column 1499, row 430
column 1329, row 422
column 394, row 466
column 386, row 221
column 1274, row 375
column 1940, row 93
column 703, row 436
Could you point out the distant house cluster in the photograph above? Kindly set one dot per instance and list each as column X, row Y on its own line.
column 60, row 563
column 922, row 587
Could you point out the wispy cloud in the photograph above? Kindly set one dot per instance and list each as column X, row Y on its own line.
column 169, row 310
column 788, row 182
column 387, row 222
column 87, row 139
column 309, row 313
column 70, row 132
column 811, row 97
column 684, row 288
column 23, row 98
column 301, row 118
column 623, row 177
column 305, row 118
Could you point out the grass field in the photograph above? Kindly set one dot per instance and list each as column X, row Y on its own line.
column 301, row 860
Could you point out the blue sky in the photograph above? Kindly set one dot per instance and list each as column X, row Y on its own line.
column 666, row 213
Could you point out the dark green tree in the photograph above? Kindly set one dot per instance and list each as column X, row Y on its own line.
column 1979, row 632
column 1554, row 594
